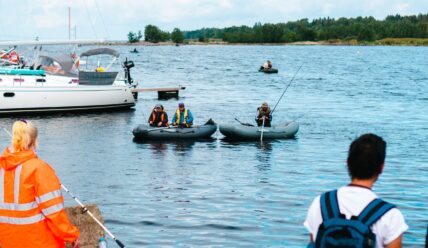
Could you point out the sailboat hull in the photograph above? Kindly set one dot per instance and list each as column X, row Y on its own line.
column 23, row 100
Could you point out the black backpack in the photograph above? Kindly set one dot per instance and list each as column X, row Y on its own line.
column 337, row 231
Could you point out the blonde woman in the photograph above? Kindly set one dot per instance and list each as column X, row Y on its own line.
column 31, row 204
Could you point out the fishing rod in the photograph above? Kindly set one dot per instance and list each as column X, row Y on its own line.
column 286, row 88
column 244, row 124
column 85, row 209
column 263, row 127
column 160, row 128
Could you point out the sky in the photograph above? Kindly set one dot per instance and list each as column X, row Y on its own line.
column 113, row 19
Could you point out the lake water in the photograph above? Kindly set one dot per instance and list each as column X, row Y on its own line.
column 217, row 193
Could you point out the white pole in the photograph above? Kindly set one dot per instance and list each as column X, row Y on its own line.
column 69, row 23
column 86, row 210
column 263, row 126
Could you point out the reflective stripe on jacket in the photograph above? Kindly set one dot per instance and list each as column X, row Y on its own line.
column 31, row 204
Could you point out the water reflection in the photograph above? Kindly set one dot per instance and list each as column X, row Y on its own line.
column 264, row 155
column 158, row 148
column 183, row 148
column 161, row 148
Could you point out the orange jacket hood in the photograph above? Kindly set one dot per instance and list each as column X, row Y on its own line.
column 9, row 160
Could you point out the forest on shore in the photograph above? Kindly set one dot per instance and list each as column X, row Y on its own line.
column 392, row 29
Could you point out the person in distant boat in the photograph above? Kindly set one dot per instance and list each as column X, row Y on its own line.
column 31, row 203
column 158, row 117
column 135, row 50
column 182, row 117
column 267, row 65
column 264, row 113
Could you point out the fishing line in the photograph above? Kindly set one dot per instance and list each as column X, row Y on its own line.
column 286, row 88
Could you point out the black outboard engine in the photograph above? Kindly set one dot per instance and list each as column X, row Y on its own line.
column 127, row 65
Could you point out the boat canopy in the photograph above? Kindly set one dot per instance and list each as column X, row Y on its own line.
column 56, row 64
column 99, row 51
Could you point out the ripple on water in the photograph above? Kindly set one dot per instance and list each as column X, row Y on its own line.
column 247, row 194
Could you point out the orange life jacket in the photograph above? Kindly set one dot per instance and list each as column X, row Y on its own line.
column 14, row 57
column 31, row 204
column 153, row 117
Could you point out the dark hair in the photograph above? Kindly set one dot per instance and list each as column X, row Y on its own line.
column 366, row 156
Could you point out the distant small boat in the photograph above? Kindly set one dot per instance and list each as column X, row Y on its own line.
column 134, row 51
column 269, row 70
column 245, row 132
column 146, row 132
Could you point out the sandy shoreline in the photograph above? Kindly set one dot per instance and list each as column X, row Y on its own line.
column 299, row 43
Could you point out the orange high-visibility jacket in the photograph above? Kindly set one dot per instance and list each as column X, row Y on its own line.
column 31, row 204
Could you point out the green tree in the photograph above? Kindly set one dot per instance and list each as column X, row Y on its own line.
column 165, row 36
column 134, row 37
column 361, row 28
column 152, row 34
column 177, row 36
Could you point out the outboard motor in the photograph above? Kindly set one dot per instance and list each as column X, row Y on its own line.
column 127, row 65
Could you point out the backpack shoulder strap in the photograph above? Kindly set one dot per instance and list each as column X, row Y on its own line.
column 374, row 211
column 329, row 205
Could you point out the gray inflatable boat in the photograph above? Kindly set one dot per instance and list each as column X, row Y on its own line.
column 146, row 132
column 271, row 70
column 245, row 132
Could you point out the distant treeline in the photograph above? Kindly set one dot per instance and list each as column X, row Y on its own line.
column 154, row 34
column 360, row 28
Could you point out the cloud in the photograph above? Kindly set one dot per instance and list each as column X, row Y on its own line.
column 100, row 18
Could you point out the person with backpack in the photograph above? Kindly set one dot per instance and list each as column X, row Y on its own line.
column 353, row 215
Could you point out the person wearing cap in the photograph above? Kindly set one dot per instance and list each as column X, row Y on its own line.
column 183, row 117
column 263, row 113
column 158, row 117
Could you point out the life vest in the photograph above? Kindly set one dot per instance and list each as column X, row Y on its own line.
column 153, row 117
column 4, row 55
column 262, row 112
column 31, row 204
column 14, row 57
column 178, row 116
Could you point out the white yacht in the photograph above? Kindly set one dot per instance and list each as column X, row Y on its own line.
column 52, row 88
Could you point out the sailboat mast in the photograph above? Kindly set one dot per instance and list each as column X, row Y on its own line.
column 69, row 23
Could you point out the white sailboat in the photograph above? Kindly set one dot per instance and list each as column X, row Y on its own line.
column 33, row 90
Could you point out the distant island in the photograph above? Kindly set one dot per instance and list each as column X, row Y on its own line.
column 393, row 30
